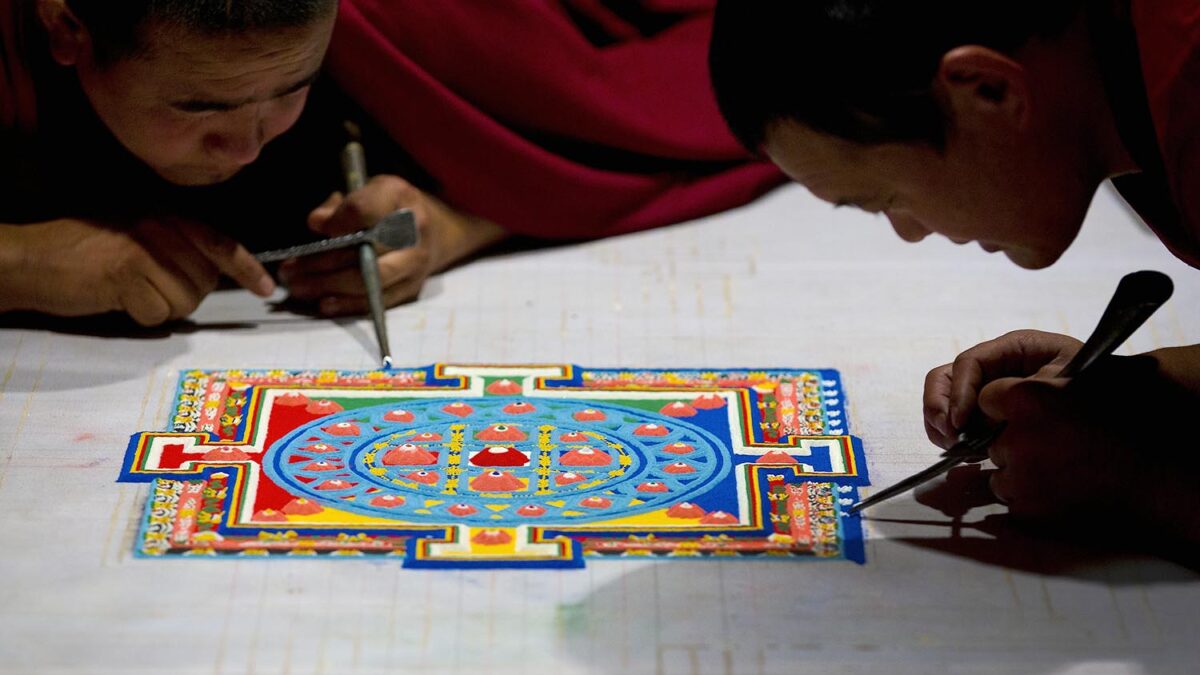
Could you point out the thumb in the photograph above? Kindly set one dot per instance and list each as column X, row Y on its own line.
column 318, row 220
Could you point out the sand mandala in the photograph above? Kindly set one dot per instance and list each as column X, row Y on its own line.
column 502, row 466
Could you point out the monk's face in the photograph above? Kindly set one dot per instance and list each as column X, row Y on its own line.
column 198, row 108
column 1004, row 191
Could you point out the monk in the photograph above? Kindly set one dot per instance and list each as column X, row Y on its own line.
column 995, row 122
column 146, row 147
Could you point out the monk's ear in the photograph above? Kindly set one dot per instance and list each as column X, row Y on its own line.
column 69, row 39
column 981, row 85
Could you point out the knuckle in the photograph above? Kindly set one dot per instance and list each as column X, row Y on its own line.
column 209, row 279
column 354, row 208
column 131, row 262
column 964, row 359
column 396, row 187
column 936, row 374
column 1020, row 334
column 932, row 411
column 214, row 241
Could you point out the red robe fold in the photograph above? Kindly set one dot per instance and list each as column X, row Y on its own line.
column 553, row 118
column 1168, row 35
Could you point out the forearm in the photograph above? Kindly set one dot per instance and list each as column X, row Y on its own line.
column 1180, row 365
column 14, row 275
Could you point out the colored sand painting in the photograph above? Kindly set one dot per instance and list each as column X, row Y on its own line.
column 502, row 466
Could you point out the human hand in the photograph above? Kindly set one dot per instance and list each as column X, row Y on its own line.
column 952, row 390
column 334, row 280
column 1098, row 448
column 154, row 271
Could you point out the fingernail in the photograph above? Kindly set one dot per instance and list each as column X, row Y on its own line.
column 265, row 285
column 943, row 426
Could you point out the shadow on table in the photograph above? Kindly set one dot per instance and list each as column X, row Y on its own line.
column 113, row 325
column 1117, row 552
column 61, row 354
column 1037, row 605
column 903, row 613
column 119, row 325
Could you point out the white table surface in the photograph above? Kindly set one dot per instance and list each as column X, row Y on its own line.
column 784, row 282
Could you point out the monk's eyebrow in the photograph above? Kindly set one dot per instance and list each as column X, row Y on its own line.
column 205, row 105
column 297, row 86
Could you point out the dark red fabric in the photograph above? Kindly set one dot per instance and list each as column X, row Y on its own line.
column 1168, row 35
column 553, row 118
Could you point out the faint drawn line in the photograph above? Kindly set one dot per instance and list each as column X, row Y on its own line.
column 12, row 367
column 21, row 420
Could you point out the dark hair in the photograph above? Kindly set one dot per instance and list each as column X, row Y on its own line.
column 861, row 70
column 118, row 28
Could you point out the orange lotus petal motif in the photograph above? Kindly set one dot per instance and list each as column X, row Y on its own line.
column 651, row 429
column 342, row 429
column 398, row 415
column 709, row 401
column 685, row 510
column 718, row 518
column 678, row 409
column 458, row 409
column 225, row 453
column 585, row 457
column 425, row 477
column 502, row 432
column 679, row 467
column 323, row 407
column 496, row 481
column 589, row 415
column 568, row 477
column 387, row 501
column 519, row 408
column 775, row 457
column 503, row 388
column 302, row 507
column 679, row 448
column 408, row 454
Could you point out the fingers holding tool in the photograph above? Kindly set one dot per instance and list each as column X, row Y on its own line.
column 333, row 279
column 1056, row 445
column 951, row 395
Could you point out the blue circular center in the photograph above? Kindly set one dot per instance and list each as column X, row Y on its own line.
column 501, row 461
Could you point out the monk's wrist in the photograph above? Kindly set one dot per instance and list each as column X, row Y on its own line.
column 15, row 273
column 465, row 236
